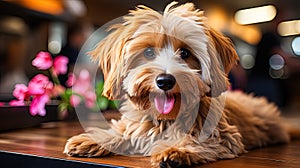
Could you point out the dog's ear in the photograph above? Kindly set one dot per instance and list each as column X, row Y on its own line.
column 222, row 44
column 224, row 48
column 223, row 56
column 109, row 52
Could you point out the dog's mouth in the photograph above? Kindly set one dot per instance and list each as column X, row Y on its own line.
column 164, row 103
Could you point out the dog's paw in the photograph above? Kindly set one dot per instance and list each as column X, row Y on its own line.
column 171, row 158
column 83, row 146
column 170, row 163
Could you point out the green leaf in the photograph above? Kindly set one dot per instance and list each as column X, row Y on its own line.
column 102, row 103
column 113, row 104
column 68, row 92
column 63, row 106
column 99, row 88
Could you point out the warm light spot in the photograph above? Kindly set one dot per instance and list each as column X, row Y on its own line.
column 14, row 25
column 289, row 28
column 249, row 33
column 218, row 18
column 296, row 45
column 54, row 7
column 255, row 15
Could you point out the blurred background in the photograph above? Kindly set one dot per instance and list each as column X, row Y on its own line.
column 266, row 34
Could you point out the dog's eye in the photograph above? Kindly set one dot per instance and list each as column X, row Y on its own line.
column 184, row 53
column 149, row 53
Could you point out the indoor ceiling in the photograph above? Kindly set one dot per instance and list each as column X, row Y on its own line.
column 103, row 11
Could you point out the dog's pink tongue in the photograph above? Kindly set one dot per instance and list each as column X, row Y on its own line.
column 164, row 104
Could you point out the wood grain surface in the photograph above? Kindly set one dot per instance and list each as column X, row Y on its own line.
column 47, row 143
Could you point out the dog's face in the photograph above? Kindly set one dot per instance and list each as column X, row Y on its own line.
column 163, row 61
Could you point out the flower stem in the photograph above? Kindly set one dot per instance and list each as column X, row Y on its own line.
column 54, row 76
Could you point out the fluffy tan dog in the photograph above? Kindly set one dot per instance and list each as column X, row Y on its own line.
column 171, row 69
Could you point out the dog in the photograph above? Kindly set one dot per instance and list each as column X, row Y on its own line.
column 171, row 68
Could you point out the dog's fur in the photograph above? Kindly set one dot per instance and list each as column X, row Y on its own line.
column 206, row 123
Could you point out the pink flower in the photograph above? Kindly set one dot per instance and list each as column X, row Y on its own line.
column 60, row 65
column 90, row 99
column 82, row 85
column 49, row 87
column 16, row 103
column 20, row 91
column 43, row 60
column 37, row 105
column 1, row 104
column 39, row 84
column 57, row 90
column 83, row 82
column 75, row 100
column 71, row 80
column 84, row 75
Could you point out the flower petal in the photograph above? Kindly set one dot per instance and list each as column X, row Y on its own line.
column 20, row 91
column 39, row 84
column 43, row 60
column 60, row 64
column 75, row 100
column 37, row 105
column 16, row 103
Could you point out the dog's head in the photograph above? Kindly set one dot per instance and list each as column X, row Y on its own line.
column 163, row 60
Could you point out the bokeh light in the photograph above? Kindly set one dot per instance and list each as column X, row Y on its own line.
column 255, row 15
column 288, row 28
column 276, row 62
column 247, row 61
column 296, row 45
column 276, row 74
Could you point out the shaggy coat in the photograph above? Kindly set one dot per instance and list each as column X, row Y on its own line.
column 203, row 121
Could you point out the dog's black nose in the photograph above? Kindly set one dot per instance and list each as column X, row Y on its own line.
column 165, row 81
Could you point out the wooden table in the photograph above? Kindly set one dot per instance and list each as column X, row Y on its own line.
column 42, row 147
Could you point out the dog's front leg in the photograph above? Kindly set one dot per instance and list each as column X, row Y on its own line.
column 171, row 157
column 189, row 151
column 96, row 142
